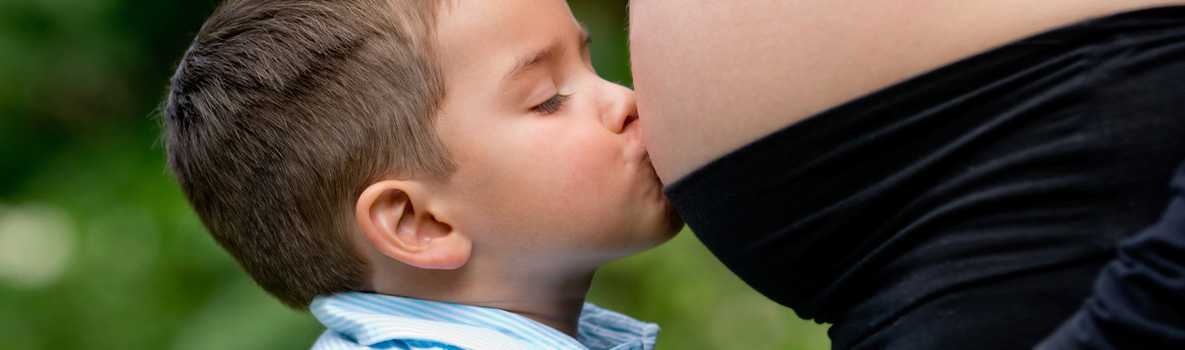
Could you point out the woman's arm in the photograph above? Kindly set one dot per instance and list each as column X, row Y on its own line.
column 712, row 76
column 1139, row 299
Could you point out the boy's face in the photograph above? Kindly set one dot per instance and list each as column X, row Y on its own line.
column 550, row 160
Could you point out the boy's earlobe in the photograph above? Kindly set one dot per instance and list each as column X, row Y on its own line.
column 393, row 218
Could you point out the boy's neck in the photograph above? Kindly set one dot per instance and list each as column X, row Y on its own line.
column 560, row 310
column 553, row 298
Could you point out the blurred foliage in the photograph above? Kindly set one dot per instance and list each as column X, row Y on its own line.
column 98, row 248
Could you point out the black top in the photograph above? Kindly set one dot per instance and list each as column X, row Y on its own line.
column 969, row 207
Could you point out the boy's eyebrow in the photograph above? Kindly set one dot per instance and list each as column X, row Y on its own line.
column 527, row 62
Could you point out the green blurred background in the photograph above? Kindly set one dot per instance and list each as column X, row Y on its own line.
column 98, row 249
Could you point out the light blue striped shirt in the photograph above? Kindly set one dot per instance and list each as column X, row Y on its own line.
column 377, row 321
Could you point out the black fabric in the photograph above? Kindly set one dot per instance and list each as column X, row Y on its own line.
column 970, row 207
column 1139, row 299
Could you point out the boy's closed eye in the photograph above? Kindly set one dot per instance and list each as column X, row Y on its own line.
column 552, row 105
column 551, row 55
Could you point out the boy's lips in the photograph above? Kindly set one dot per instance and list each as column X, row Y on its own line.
column 635, row 147
column 651, row 173
column 636, row 154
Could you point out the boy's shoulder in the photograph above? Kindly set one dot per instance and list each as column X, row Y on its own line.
column 366, row 320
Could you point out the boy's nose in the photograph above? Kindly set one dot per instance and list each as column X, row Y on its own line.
column 619, row 109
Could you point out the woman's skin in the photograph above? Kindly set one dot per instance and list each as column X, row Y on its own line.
column 749, row 68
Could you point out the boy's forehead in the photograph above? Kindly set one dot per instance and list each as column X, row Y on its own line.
column 502, row 32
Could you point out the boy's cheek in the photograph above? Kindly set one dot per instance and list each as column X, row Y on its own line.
column 583, row 160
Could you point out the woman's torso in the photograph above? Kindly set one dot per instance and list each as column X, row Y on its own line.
column 967, row 207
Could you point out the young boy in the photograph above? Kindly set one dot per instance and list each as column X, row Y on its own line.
column 420, row 174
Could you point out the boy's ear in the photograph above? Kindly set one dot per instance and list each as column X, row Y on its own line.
column 394, row 218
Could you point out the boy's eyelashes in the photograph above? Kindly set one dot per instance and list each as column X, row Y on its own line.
column 552, row 105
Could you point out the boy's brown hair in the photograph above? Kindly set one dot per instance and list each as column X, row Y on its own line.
column 282, row 111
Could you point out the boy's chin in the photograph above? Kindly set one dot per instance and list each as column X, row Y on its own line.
column 656, row 234
column 675, row 224
column 670, row 227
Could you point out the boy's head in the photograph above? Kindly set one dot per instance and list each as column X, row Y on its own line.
column 335, row 145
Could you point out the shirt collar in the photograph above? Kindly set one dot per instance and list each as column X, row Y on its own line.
column 370, row 319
